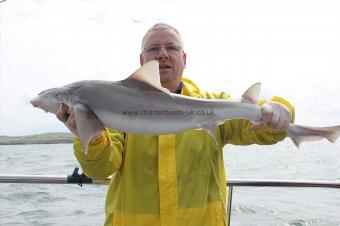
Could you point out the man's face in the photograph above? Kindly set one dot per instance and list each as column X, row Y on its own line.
column 164, row 46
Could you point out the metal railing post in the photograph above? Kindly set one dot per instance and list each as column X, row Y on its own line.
column 229, row 203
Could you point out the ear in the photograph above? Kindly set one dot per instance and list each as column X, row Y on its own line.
column 185, row 59
column 141, row 59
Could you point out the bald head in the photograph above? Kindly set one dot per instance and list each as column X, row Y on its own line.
column 158, row 27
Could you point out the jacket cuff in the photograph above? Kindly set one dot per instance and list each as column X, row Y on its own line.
column 96, row 147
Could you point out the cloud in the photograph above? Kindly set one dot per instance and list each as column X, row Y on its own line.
column 291, row 48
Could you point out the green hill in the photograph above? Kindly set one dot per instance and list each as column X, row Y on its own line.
column 45, row 138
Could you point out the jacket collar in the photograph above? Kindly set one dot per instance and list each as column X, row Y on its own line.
column 189, row 88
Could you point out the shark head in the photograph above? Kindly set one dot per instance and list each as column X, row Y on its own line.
column 49, row 100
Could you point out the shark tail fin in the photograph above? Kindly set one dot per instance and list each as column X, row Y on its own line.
column 300, row 134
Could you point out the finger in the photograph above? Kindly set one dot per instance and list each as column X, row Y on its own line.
column 282, row 120
column 71, row 122
column 256, row 127
column 276, row 117
column 62, row 114
column 267, row 113
column 288, row 119
column 285, row 116
column 286, row 124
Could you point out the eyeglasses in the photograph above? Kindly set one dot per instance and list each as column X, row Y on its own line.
column 172, row 48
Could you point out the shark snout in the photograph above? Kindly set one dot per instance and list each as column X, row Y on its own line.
column 38, row 104
column 34, row 103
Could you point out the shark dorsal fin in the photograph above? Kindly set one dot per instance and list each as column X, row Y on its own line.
column 149, row 74
column 252, row 94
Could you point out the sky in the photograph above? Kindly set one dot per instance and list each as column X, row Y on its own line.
column 291, row 47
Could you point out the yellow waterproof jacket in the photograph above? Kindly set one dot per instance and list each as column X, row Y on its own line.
column 169, row 180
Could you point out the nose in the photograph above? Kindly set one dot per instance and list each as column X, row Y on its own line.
column 162, row 54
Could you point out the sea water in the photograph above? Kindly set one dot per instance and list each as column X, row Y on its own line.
column 47, row 204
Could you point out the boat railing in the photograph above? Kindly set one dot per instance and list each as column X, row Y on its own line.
column 231, row 183
column 80, row 179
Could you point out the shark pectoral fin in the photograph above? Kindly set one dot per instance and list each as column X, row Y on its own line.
column 149, row 74
column 298, row 139
column 210, row 128
column 252, row 94
column 88, row 125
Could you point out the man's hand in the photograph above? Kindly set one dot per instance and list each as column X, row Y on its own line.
column 67, row 118
column 275, row 115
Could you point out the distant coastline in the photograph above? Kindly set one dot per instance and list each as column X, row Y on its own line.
column 45, row 138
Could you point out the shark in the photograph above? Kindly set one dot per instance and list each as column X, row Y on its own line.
column 140, row 105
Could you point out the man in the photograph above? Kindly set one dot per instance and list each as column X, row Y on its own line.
column 176, row 179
